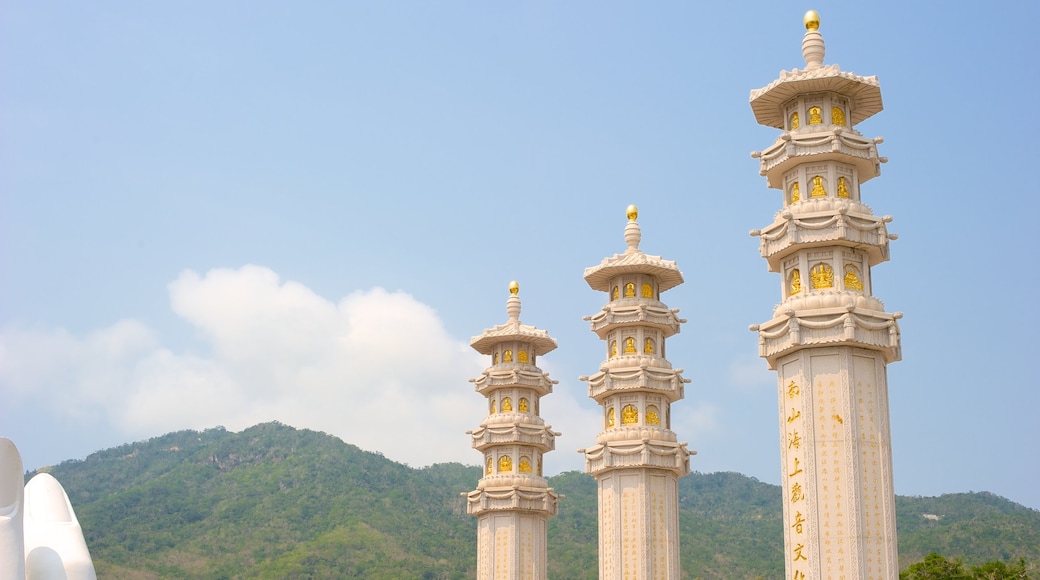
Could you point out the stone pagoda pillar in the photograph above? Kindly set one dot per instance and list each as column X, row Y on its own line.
column 829, row 338
column 637, row 459
column 512, row 501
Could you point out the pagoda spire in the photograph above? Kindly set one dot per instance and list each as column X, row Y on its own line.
column 512, row 501
column 829, row 339
column 637, row 458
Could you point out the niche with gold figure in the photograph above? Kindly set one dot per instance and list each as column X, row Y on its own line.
column 818, row 189
column 815, row 115
column 648, row 346
column 653, row 415
column 822, row 276
column 630, row 345
column 796, row 193
column 630, row 290
column 837, row 116
column 525, row 465
column 843, row 187
column 852, row 280
column 522, row 357
column 507, row 405
column 647, row 291
column 523, row 406
column 490, row 465
column 610, row 417
column 629, row 415
column 794, row 283
column 505, row 464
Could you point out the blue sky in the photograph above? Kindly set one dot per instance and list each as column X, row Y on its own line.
column 225, row 213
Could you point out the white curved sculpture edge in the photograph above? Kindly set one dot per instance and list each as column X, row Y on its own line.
column 12, row 540
column 40, row 537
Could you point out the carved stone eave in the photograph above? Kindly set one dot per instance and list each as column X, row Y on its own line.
column 837, row 144
column 664, row 381
column 514, row 375
column 848, row 326
column 812, row 300
column 865, row 93
column 540, row 436
column 514, row 498
column 629, row 433
column 654, row 314
column 644, row 454
column 634, row 262
column 514, row 330
column 793, row 231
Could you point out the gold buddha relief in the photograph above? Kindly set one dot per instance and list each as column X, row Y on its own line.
column 814, row 116
column 817, row 187
column 822, row 276
column 796, row 282
column 852, row 281
column 653, row 416
column 837, row 116
column 629, row 415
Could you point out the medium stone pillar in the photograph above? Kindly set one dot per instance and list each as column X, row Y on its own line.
column 512, row 501
column 637, row 458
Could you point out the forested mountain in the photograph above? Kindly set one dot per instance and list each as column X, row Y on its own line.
column 277, row 502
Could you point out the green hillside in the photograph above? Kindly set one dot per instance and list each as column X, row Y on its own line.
column 278, row 502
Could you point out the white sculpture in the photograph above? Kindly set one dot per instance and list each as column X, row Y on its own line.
column 40, row 537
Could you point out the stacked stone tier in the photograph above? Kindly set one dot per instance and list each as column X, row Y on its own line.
column 513, row 497
column 847, row 325
column 513, row 375
column 768, row 103
column 604, row 276
column 833, row 223
column 643, row 453
column 836, row 144
column 507, row 428
column 538, row 340
column 636, row 312
column 666, row 382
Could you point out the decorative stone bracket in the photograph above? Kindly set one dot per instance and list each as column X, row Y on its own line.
column 517, row 377
column 511, row 499
column 638, row 454
column 863, row 231
column 668, row 382
column 542, row 437
column 849, row 326
column 840, row 143
column 660, row 317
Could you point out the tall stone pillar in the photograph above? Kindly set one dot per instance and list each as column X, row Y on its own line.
column 637, row 458
column 829, row 338
column 512, row 501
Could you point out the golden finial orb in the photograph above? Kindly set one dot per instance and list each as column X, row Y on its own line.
column 632, row 212
column 514, row 287
column 812, row 20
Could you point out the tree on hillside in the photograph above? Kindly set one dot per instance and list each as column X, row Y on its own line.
column 1001, row 571
column 937, row 567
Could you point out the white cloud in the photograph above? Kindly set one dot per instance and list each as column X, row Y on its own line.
column 376, row 369
column 77, row 376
